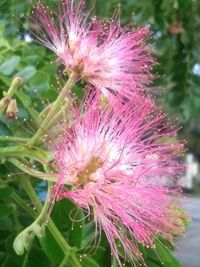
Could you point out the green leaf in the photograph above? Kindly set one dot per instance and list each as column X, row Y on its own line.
column 51, row 247
column 88, row 234
column 98, row 254
column 4, row 130
column 6, row 80
column 24, row 98
column 163, row 252
column 8, row 66
column 34, row 53
column 6, row 224
column 162, row 257
column 175, row 97
column 70, row 220
column 36, row 257
column 89, row 262
column 27, row 73
column 5, row 192
column 78, row 91
column 101, row 253
column 174, row 262
column 152, row 263
column 40, row 82
column 51, row 95
column 22, row 112
column 4, row 211
column 11, row 261
column 26, row 102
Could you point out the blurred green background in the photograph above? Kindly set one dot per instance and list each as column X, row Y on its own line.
column 175, row 28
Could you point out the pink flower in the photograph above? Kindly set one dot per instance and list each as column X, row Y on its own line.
column 63, row 32
column 102, row 52
column 115, row 160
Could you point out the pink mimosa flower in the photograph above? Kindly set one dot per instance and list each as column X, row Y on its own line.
column 111, row 57
column 115, row 160
column 63, row 32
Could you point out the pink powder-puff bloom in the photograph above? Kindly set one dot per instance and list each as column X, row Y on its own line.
column 114, row 159
column 102, row 52
column 64, row 32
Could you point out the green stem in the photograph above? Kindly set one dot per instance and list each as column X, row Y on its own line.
column 114, row 262
column 24, row 150
column 64, row 261
column 15, row 216
column 51, row 226
column 26, row 258
column 13, row 139
column 9, row 94
column 11, row 48
column 44, row 212
column 12, row 151
column 75, row 260
column 23, row 205
column 27, row 186
column 14, row 86
column 59, row 238
column 57, row 115
column 23, row 240
column 41, row 175
column 52, row 113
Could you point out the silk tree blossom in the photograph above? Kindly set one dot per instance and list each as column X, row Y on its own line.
column 63, row 32
column 102, row 52
column 114, row 160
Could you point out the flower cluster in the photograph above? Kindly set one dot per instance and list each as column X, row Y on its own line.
column 114, row 157
column 115, row 160
column 102, row 52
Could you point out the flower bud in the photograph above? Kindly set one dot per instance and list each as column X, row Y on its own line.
column 12, row 109
column 21, row 242
column 4, row 102
column 24, row 239
column 18, row 246
column 37, row 230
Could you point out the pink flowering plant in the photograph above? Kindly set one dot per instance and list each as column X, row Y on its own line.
column 109, row 158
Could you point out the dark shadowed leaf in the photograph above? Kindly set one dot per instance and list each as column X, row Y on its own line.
column 12, row 261
column 4, row 130
column 4, row 211
column 51, row 247
column 6, row 224
column 5, row 192
column 70, row 221
column 36, row 257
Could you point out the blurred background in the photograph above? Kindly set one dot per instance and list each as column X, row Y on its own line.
column 175, row 28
